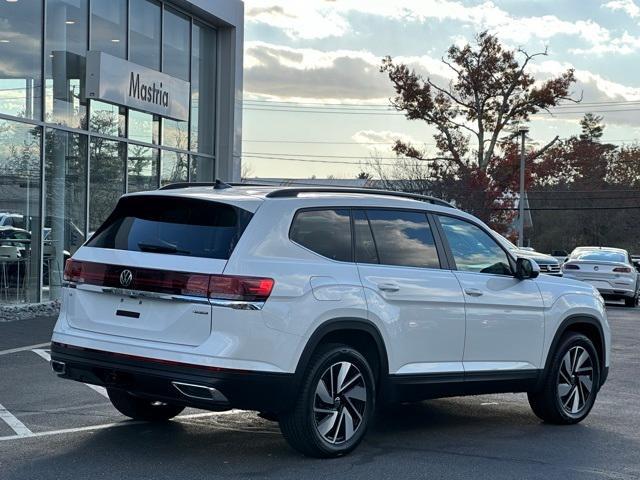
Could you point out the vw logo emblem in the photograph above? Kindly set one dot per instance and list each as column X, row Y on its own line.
column 125, row 278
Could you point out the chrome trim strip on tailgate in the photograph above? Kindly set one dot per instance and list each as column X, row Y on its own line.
column 124, row 292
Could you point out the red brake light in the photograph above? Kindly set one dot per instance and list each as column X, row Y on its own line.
column 622, row 270
column 570, row 266
column 222, row 287
column 230, row 287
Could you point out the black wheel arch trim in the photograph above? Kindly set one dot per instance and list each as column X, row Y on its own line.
column 336, row 325
column 564, row 327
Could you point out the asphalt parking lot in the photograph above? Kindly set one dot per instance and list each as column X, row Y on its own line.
column 51, row 428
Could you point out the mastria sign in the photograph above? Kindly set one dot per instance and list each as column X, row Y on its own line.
column 114, row 80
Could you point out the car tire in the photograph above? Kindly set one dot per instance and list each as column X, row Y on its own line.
column 142, row 409
column 571, row 384
column 335, row 404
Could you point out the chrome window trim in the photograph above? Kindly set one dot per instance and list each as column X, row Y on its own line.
column 131, row 293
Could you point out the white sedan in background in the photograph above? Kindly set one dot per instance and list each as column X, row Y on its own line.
column 610, row 270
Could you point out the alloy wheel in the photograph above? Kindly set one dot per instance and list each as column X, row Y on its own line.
column 575, row 380
column 340, row 401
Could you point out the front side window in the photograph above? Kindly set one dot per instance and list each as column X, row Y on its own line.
column 403, row 238
column 326, row 232
column 473, row 249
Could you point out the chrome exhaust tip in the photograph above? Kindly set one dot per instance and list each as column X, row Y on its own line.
column 199, row 392
column 58, row 367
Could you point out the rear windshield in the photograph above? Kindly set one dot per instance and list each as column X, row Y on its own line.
column 600, row 256
column 173, row 225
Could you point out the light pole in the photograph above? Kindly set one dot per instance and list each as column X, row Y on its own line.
column 522, row 130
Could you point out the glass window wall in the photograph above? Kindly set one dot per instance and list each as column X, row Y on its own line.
column 106, row 178
column 20, row 219
column 65, row 51
column 117, row 149
column 203, row 96
column 144, row 33
column 109, row 27
column 21, row 51
column 65, row 204
column 143, row 165
column 174, row 167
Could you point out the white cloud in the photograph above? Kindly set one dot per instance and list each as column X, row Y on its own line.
column 624, row 45
column 627, row 6
column 376, row 140
column 341, row 75
column 322, row 18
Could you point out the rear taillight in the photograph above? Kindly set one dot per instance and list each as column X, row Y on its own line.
column 622, row 270
column 249, row 289
column 570, row 266
column 222, row 287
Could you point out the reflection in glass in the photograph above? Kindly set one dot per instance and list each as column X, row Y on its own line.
column 175, row 44
column 174, row 167
column 203, row 88
column 403, row 238
column 65, row 50
column 109, row 27
column 473, row 249
column 107, row 119
column 106, row 178
column 143, row 127
column 142, row 168
column 20, row 50
column 144, row 35
column 175, row 134
column 20, row 200
column 65, row 204
column 326, row 232
column 201, row 169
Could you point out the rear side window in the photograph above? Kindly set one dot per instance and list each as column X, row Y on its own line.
column 326, row 232
column 173, row 225
column 403, row 238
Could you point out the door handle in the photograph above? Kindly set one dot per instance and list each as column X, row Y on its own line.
column 473, row 292
column 388, row 287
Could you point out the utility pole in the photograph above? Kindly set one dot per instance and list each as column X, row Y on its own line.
column 522, row 130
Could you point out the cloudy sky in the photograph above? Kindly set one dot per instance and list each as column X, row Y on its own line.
column 315, row 103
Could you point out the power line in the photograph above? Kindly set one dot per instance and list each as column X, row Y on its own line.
column 325, row 142
column 353, row 104
column 395, row 113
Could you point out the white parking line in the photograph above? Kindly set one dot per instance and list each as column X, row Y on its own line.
column 47, row 356
column 15, row 424
column 23, row 349
column 100, row 427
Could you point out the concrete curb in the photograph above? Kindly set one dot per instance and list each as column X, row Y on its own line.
column 26, row 311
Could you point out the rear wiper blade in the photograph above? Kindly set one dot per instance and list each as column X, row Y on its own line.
column 166, row 248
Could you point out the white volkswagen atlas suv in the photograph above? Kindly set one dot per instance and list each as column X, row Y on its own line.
column 313, row 305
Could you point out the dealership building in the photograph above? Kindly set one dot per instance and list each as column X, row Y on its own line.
column 103, row 97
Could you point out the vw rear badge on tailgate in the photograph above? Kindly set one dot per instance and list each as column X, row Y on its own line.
column 125, row 278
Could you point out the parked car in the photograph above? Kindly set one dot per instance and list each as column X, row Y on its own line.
column 312, row 305
column 610, row 270
column 547, row 263
column 560, row 255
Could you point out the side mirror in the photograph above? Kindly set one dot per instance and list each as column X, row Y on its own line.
column 526, row 268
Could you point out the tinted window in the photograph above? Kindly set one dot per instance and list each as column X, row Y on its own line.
column 365, row 245
column 473, row 249
column 327, row 232
column 170, row 225
column 403, row 238
column 600, row 256
column 144, row 33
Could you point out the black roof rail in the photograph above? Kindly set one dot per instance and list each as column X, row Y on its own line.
column 217, row 185
column 295, row 191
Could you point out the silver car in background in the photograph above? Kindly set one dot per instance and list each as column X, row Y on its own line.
column 548, row 264
column 610, row 270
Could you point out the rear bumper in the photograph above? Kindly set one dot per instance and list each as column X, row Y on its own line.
column 155, row 379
